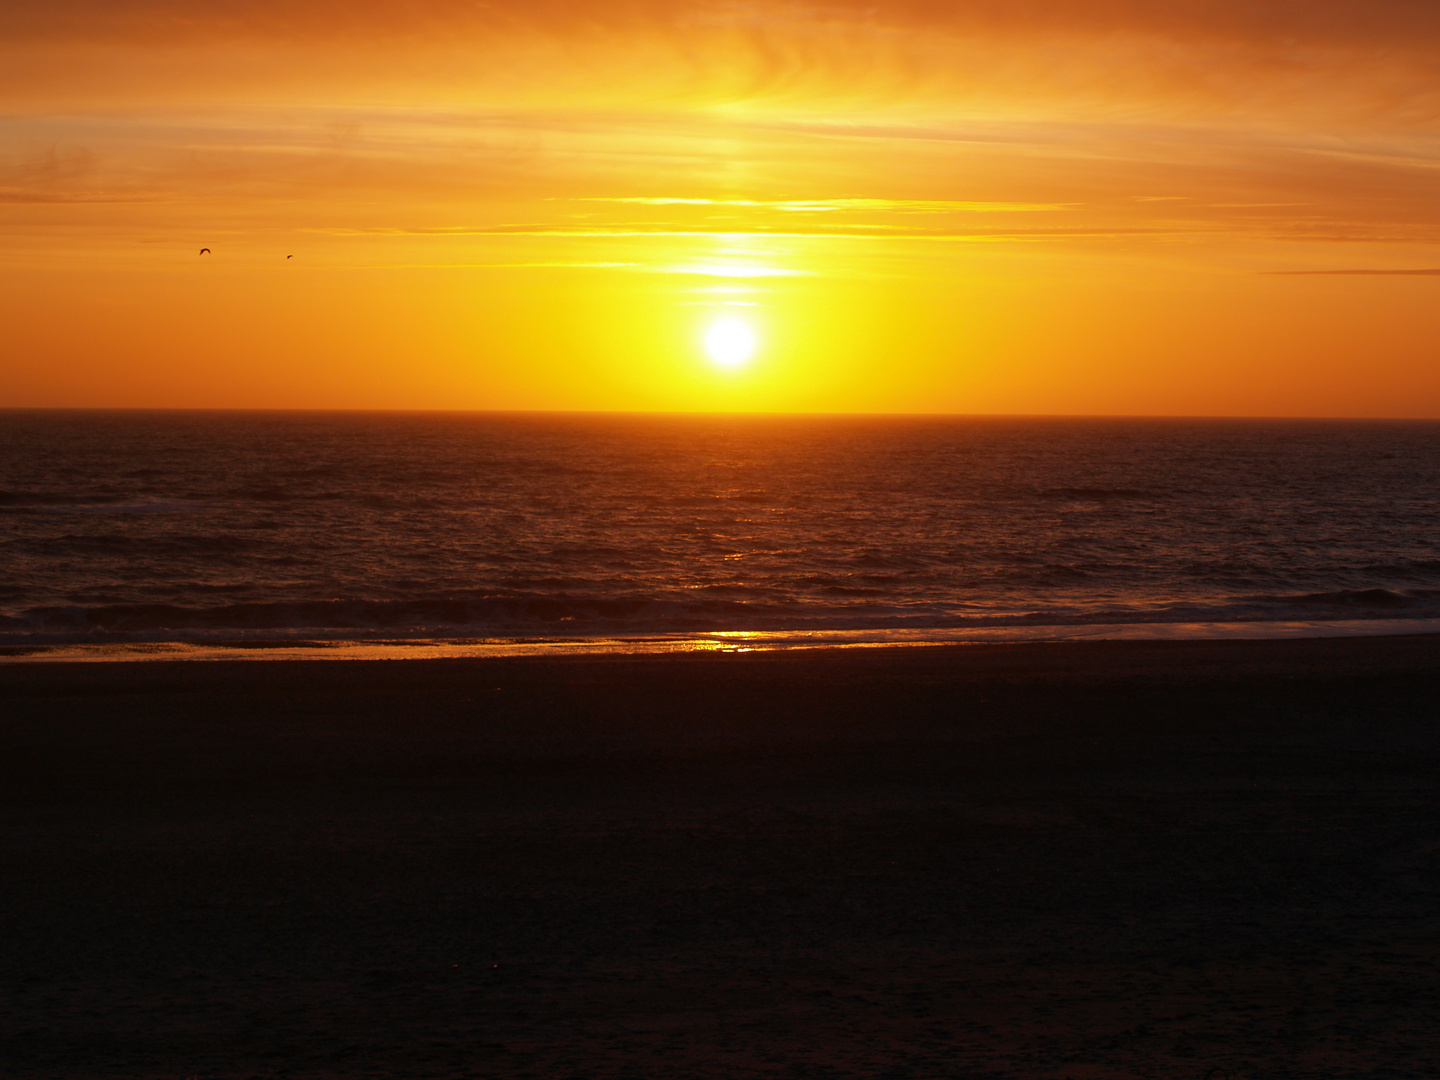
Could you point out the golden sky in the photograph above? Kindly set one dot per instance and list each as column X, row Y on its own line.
column 1193, row 208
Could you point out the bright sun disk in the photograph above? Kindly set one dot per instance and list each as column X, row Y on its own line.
column 729, row 343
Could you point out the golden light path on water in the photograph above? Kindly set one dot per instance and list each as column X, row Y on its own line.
column 722, row 642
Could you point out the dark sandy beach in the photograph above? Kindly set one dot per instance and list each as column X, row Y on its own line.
column 1080, row 860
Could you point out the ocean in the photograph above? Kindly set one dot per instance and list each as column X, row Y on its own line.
column 245, row 529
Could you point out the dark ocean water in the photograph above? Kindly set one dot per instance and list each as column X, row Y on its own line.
column 131, row 526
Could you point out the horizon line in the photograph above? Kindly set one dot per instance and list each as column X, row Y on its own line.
column 708, row 414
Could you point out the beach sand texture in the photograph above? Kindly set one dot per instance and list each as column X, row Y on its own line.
column 1080, row 860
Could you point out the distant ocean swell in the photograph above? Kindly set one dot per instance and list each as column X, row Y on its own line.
column 205, row 527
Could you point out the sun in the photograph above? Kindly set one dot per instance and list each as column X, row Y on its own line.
column 729, row 343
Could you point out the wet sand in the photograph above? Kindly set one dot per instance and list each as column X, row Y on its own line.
column 1078, row 860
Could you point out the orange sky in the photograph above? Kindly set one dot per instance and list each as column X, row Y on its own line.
column 1043, row 207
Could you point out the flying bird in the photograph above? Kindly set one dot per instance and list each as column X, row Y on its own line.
column 204, row 251
column 289, row 256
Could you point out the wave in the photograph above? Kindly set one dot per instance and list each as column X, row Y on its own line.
column 533, row 615
column 1367, row 599
column 521, row 613
column 1096, row 494
column 124, row 544
column 28, row 502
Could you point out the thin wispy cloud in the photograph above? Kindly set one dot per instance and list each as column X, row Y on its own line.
column 1424, row 272
column 902, row 206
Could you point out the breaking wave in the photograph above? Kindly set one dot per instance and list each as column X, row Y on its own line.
column 547, row 616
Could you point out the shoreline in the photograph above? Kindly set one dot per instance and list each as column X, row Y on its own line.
column 724, row 641
column 882, row 673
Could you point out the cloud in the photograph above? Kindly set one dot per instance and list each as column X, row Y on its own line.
column 72, row 175
column 1354, row 273
column 1326, row 65
column 904, row 206
column 912, row 119
column 1406, row 24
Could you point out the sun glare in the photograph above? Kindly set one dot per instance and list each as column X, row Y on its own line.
column 729, row 343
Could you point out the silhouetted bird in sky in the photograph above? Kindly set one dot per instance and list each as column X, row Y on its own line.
column 204, row 251
column 289, row 256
